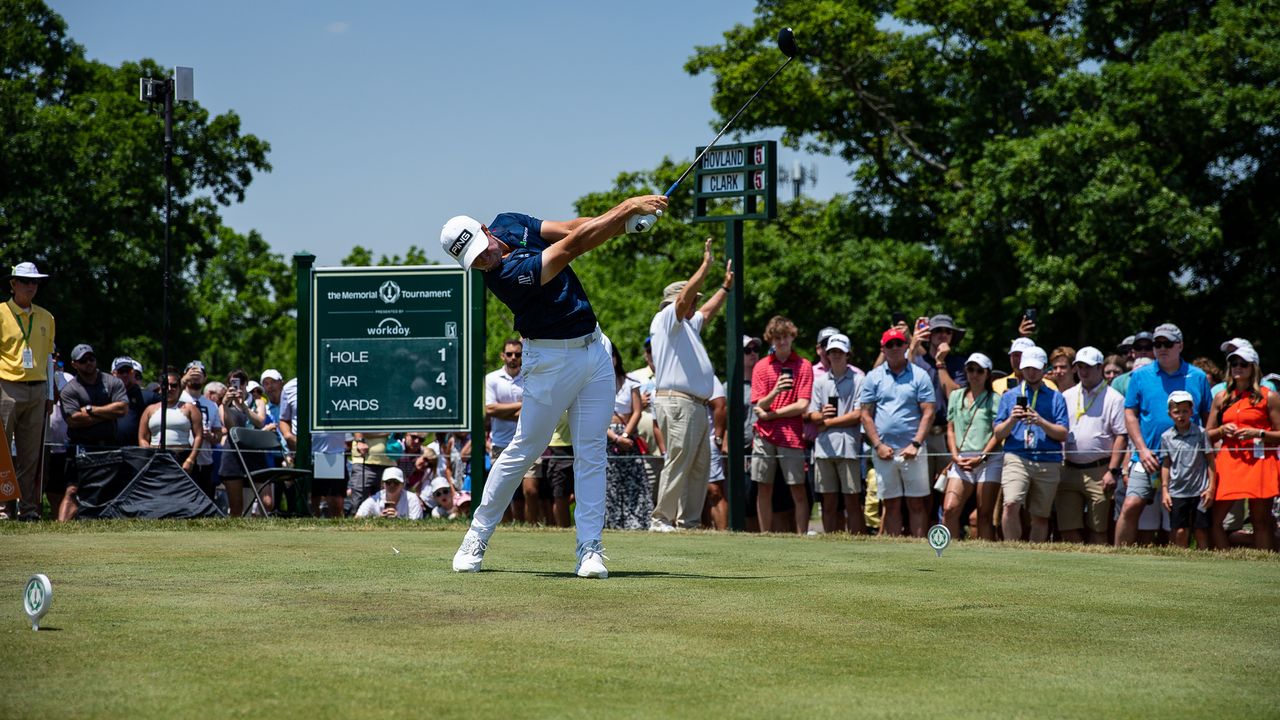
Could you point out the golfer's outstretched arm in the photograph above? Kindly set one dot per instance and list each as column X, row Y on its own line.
column 595, row 231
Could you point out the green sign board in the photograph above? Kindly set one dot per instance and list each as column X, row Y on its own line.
column 390, row 349
column 737, row 182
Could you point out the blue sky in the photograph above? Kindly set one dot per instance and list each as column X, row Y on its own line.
column 387, row 118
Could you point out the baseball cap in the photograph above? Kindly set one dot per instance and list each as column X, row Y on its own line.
column 1021, row 344
column 273, row 374
column 1245, row 353
column 890, row 335
column 672, row 291
column 393, row 474
column 747, row 340
column 438, row 484
column 1090, row 355
column 838, row 341
column 80, row 351
column 193, row 365
column 1168, row 331
column 27, row 270
column 1234, row 343
column 1181, row 396
column 123, row 361
column 825, row 334
column 464, row 239
column 980, row 360
column 253, row 385
column 1125, row 344
column 1033, row 357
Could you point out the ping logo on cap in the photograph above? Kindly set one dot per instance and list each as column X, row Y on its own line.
column 460, row 244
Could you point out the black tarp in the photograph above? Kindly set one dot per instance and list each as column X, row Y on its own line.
column 138, row 483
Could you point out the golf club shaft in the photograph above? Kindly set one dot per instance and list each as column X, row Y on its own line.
column 698, row 159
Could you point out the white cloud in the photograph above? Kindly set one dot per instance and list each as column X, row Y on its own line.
column 338, row 27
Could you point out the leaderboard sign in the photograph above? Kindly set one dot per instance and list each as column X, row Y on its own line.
column 389, row 350
column 737, row 182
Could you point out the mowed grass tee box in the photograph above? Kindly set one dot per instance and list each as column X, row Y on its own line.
column 318, row 620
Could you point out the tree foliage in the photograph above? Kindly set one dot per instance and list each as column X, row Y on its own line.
column 1113, row 163
column 82, row 195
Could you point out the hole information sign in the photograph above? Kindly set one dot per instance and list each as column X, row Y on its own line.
column 389, row 349
column 737, row 182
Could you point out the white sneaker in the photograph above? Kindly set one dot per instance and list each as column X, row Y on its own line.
column 660, row 526
column 591, row 560
column 471, row 553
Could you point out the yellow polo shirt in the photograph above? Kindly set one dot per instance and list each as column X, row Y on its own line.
column 11, row 342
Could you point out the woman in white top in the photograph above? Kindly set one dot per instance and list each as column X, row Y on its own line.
column 180, row 419
column 627, row 501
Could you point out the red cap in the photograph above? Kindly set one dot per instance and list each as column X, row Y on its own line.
column 892, row 334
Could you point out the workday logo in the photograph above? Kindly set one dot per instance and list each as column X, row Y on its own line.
column 389, row 292
column 389, row 326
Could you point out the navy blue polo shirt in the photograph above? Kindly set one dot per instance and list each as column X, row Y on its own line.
column 555, row 311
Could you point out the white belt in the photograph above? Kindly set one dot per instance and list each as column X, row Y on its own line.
column 578, row 342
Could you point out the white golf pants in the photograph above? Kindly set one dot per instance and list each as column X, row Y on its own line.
column 558, row 377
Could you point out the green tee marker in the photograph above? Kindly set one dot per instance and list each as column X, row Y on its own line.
column 939, row 538
column 36, row 599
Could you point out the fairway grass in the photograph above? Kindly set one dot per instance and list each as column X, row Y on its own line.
column 313, row 620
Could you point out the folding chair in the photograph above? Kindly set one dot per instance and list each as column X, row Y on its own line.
column 257, row 443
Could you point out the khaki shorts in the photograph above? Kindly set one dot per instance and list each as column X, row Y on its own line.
column 1081, row 489
column 1030, row 483
column 767, row 457
column 842, row 475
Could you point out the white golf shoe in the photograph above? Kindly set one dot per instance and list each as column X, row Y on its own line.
column 471, row 553
column 591, row 560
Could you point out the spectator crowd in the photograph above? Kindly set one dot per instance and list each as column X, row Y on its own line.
column 1077, row 445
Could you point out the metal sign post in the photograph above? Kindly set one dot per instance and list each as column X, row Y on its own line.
column 735, row 183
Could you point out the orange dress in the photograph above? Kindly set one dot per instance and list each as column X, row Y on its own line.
column 1240, row 474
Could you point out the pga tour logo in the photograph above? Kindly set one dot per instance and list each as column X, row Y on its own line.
column 460, row 244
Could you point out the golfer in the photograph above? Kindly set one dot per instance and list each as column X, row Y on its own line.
column 566, row 365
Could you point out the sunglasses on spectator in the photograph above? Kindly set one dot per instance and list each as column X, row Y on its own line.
column 895, row 344
column 1238, row 363
column 974, row 369
column 392, row 482
column 750, row 349
column 1143, row 346
column 514, row 354
column 440, row 493
column 1162, row 344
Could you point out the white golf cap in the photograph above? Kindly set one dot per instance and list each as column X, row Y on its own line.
column 1021, row 344
column 1245, row 353
column 273, row 374
column 122, row 361
column 825, row 334
column 980, row 360
column 253, row 385
column 1090, row 355
column 464, row 239
column 1033, row 357
column 1234, row 343
column 838, row 342
column 27, row 270
column 1181, row 396
column 1168, row 331
column 393, row 474
column 438, row 484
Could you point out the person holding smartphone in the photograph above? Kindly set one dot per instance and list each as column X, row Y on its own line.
column 1032, row 422
column 835, row 412
column 391, row 501
column 781, row 386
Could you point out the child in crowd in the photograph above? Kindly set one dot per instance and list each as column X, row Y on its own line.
column 1187, row 478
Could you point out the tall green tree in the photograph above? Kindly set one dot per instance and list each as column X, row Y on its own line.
column 82, row 195
column 1113, row 163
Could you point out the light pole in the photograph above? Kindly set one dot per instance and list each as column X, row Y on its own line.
column 181, row 86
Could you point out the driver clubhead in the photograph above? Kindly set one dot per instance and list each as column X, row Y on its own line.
column 787, row 42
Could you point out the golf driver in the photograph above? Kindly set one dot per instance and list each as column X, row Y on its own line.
column 787, row 44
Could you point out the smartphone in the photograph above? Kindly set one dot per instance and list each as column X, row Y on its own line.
column 787, row 372
column 235, row 383
column 898, row 317
column 1032, row 314
column 834, row 401
column 1020, row 401
column 922, row 324
column 388, row 505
